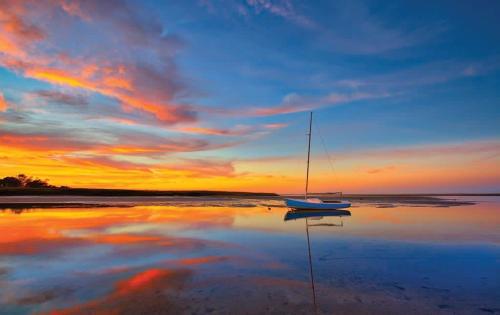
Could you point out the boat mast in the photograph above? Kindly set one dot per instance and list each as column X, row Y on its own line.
column 308, row 152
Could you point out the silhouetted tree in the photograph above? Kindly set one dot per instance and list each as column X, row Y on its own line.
column 24, row 181
column 36, row 183
column 10, row 181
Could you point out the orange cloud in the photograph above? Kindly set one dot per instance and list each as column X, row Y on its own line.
column 3, row 103
column 118, row 82
column 60, row 77
column 9, row 47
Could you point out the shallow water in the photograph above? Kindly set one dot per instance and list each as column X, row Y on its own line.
column 226, row 256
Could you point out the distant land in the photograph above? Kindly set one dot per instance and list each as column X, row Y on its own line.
column 66, row 191
column 24, row 185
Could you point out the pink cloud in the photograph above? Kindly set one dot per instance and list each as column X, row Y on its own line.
column 480, row 147
column 105, row 161
column 16, row 34
column 127, row 143
column 475, row 147
column 275, row 126
column 205, row 168
column 293, row 103
column 239, row 130
column 45, row 143
column 115, row 120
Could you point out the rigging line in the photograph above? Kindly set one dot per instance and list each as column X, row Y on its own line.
column 328, row 156
column 325, row 149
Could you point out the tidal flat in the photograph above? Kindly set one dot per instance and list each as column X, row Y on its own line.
column 221, row 255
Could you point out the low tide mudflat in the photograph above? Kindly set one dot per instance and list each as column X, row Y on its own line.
column 221, row 255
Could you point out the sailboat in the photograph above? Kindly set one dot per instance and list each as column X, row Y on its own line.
column 314, row 203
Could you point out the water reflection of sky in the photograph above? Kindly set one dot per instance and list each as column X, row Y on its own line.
column 241, row 256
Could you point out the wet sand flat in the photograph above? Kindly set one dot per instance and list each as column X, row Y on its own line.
column 187, row 255
column 33, row 201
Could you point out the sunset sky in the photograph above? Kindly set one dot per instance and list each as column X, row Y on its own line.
column 209, row 94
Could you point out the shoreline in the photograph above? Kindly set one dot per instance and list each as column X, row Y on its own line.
column 31, row 198
column 187, row 198
column 98, row 192
column 105, row 192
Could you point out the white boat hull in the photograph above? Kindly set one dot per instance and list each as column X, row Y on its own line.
column 315, row 204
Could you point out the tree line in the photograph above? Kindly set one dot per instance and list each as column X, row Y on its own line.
column 23, row 181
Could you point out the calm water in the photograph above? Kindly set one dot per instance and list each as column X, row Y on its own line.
column 218, row 256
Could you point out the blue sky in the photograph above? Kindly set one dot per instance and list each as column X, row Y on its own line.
column 438, row 64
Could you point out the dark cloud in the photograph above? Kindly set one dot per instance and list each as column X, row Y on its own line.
column 62, row 98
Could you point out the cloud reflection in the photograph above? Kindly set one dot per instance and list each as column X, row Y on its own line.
column 144, row 293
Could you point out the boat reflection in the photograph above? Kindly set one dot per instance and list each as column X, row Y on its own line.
column 316, row 216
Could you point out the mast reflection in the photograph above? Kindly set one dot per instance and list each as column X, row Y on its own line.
column 316, row 216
